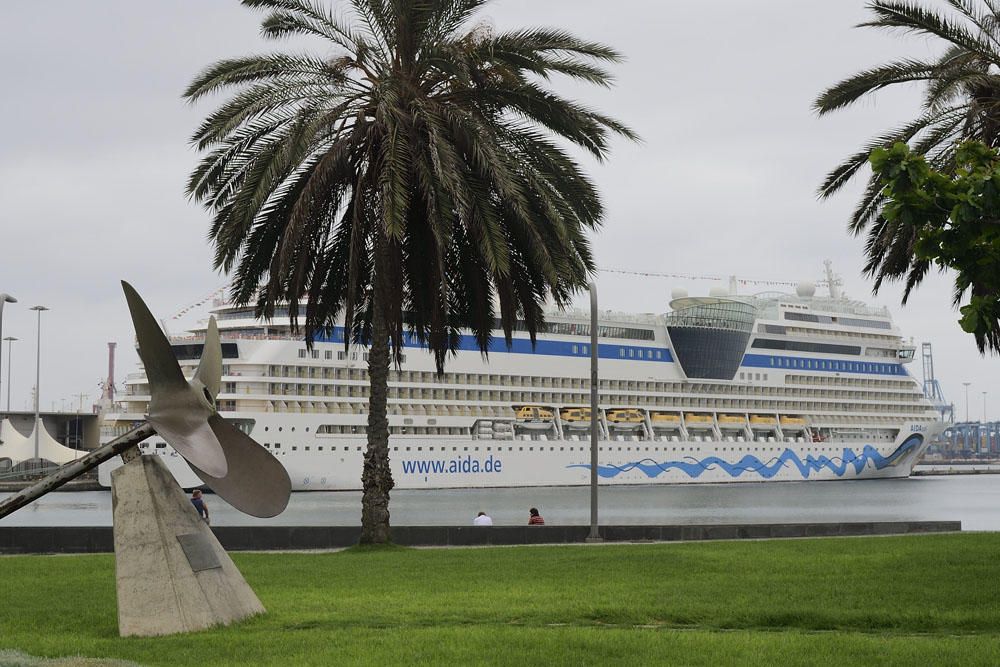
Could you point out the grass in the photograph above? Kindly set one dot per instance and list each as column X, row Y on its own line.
column 895, row 600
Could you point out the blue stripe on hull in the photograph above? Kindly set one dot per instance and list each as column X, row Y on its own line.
column 751, row 464
column 552, row 348
column 562, row 348
column 777, row 362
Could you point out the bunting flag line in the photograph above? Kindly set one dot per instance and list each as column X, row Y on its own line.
column 687, row 276
column 201, row 302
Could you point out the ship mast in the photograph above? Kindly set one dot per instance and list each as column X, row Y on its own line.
column 832, row 279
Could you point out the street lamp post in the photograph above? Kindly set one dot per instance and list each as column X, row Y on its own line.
column 10, row 340
column 984, row 407
column 966, row 401
column 38, row 374
column 595, row 535
column 4, row 298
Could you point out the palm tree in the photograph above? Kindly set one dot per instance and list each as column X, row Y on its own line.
column 407, row 182
column 961, row 102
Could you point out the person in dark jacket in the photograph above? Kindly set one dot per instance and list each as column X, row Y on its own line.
column 534, row 518
column 199, row 504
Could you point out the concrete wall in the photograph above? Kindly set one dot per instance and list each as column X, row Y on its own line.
column 98, row 539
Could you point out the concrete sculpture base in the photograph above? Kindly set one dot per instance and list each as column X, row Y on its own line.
column 172, row 574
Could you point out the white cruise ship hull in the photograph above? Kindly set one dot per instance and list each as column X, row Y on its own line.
column 334, row 463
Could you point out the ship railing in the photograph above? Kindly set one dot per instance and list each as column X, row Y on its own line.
column 239, row 336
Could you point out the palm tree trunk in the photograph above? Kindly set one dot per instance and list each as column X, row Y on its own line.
column 376, row 478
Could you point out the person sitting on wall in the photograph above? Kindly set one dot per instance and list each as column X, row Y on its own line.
column 482, row 519
column 199, row 504
column 534, row 518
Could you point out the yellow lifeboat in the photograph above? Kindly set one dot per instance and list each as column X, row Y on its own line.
column 693, row 418
column 534, row 417
column 792, row 421
column 625, row 415
column 732, row 421
column 762, row 420
column 575, row 418
column 665, row 418
column 624, row 418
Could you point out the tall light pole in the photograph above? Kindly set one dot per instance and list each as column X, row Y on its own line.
column 984, row 435
column 38, row 375
column 966, row 400
column 595, row 535
column 10, row 340
column 4, row 298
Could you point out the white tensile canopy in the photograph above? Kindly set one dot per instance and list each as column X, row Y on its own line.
column 19, row 448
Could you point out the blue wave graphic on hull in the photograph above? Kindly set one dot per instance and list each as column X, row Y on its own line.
column 838, row 465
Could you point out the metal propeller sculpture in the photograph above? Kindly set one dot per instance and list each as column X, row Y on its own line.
column 171, row 573
column 184, row 414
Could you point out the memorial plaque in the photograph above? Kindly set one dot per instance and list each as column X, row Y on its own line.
column 199, row 551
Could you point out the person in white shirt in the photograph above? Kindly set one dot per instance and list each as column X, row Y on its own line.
column 482, row 519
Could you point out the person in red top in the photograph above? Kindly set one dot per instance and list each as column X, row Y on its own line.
column 535, row 519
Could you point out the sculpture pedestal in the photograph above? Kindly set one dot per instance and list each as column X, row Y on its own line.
column 172, row 574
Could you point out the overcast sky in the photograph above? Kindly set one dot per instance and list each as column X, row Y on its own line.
column 94, row 155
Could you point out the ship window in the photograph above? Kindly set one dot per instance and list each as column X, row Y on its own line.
column 341, row 355
column 328, row 354
column 277, row 445
column 584, row 348
column 294, row 448
column 302, row 354
column 621, row 353
column 307, row 448
column 576, row 349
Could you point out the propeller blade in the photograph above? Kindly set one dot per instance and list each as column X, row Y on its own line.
column 256, row 484
column 210, row 367
column 192, row 438
column 178, row 409
column 154, row 349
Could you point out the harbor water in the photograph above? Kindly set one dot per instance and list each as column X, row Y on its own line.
column 972, row 499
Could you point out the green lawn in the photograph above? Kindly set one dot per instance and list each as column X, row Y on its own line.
column 894, row 600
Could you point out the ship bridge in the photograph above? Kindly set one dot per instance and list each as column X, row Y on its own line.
column 709, row 335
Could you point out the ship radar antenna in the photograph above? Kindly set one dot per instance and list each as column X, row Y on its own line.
column 833, row 281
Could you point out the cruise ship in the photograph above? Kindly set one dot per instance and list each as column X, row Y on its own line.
column 722, row 388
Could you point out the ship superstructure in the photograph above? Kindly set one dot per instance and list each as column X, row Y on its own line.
column 723, row 388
